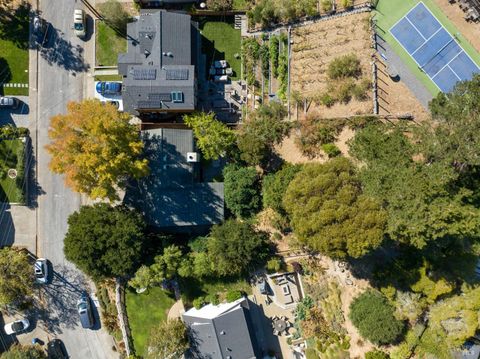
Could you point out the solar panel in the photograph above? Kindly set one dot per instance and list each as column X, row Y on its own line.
column 178, row 74
column 165, row 97
column 149, row 104
column 144, row 74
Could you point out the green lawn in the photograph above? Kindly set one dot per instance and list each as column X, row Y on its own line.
column 145, row 311
column 11, row 152
column 108, row 45
column 108, row 78
column 192, row 288
column 388, row 12
column 220, row 41
column 14, row 49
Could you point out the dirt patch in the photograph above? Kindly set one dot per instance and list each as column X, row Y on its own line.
column 395, row 98
column 314, row 48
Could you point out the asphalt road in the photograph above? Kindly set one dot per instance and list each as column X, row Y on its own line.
column 62, row 76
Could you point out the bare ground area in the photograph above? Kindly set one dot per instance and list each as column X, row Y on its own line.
column 289, row 151
column 395, row 98
column 315, row 46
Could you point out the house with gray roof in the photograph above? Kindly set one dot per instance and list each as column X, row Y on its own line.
column 222, row 331
column 173, row 198
column 158, row 68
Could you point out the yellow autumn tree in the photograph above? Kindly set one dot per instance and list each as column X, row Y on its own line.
column 96, row 148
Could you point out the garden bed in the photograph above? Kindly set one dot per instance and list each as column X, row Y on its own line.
column 12, row 156
column 144, row 312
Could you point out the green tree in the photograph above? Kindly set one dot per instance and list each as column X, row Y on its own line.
column 456, row 136
column 214, row 138
column 264, row 128
column 373, row 316
column 143, row 278
column 241, row 190
column 235, row 247
column 167, row 340
column 115, row 15
column 24, row 352
column 105, row 241
column 456, row 318
column 96, row 148
column 330, row 214
column 275, row 185
column 16, row 281
column 422, row 199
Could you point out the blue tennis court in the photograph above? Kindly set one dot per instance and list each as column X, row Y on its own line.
column 432, row 47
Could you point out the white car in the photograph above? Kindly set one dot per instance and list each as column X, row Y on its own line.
column 41, row 270
column 79, row 23
column 223, row 78
column 17, row 326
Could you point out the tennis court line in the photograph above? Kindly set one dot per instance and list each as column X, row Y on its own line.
column 448, row 64
column 453, row 36
column 458, row 77
column 427, row 40
column 411, row 23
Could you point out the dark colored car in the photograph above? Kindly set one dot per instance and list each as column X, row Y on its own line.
column 40, row 28
column 56, row 349
column 84, row 308
column 8, row 102
column 109, row 88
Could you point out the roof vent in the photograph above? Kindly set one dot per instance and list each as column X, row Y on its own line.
column 164, row 53
column 146, row 52
column 222, row 332
column 169, row 54
column 193, row 157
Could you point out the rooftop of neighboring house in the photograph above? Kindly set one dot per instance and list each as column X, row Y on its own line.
column 222, row 331
column 158, row 68
column 172, row 196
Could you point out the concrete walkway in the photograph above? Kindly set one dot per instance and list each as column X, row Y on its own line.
column 406, row 76
column 176, row 310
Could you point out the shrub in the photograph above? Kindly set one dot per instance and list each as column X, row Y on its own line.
column 9, row 132
column 331, row 150
column 274, row 265
column 326, row 99
column 233, row 295
column 219, row 5
column 326, row 5
column 275, row 185
column 344, row 66
column 343, row 90
column 373, row 316
column 213, row 299
column 347, row 3
column 198, row 302
column 274, row 54
column 376, row 354
column 360, row 90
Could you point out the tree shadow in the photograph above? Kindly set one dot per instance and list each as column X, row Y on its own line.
column 7, row 233
column 5, row 74
column 60, row 299
column 63, row 53
column 15, row 24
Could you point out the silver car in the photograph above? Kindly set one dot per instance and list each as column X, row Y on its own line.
column 79, row 23
column 8, row 102
column 41, row 270
column 84, row 309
